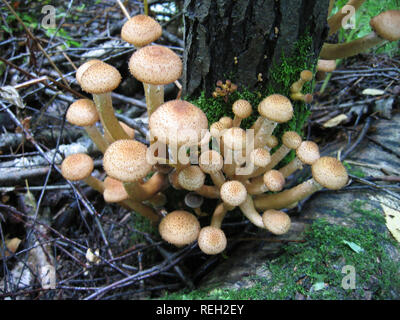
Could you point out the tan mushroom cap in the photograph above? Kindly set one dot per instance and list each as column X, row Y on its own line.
column 211, row 161
column 277, row 222
column 114, row 190
column 260, row 157
column 226, row 122
column 326, row 65
column 83, row 68
column 291, row 139
column 274, row 180
column 308, row 152
column 77, row 166
column 155, row 65
column 216, row 129
column 272, row 142
column 141, row 30
column 306, row 75
column 100, row 78
column 233, row 193
column 330, row 173
column 212, row 240
column 387, row 25
column 179, row 228
column 178, row 122
column 234, row 138
column 276, row 108
column 191, row 178
column 242, row 108
column 125, row 160
column 82, row 113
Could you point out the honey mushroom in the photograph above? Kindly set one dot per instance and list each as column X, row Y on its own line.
column 242, row 109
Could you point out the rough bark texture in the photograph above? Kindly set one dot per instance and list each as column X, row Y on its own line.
column 256, row 32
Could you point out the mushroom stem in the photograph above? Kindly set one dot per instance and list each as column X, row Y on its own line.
column 251, row 213
column 107, row 117
column 335, row 22
column 147, row 190
column 256, row 186
column 94, row 183
column 285, row 198
column 291, row 167
column 218, row 178
column 154, row 96
column 142, row 209
column 210, row 192
column 95, row 135
column 343, row 50
column 265, row 129
column 218, row 215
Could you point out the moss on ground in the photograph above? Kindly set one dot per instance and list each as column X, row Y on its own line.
column 281, row 77
column 314, row 269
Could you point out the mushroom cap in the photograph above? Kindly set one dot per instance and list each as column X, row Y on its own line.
column 233, row 193
column 141, row 30
column 212, row 240
column 114, row 190
column 234, row 138
column 260, row 157
column 155, row 65
column 211, row 161
column 277, row 108
column 306, row 75
column 330, row 173
column 216, row 129
column 272, row 142
column 178, row 122
column 277, row 222
column 242, row 108
column 291, row 139
column 83, row 68
column 308, row 152
column 193, row 200
column 179, row 228
column 226, row 122
column 100, row 78
column 77, row 166
column 387, row 25
column 125, row 160
column 82, row 113
column 326, row 65
column 191, row 178
column 274, row 180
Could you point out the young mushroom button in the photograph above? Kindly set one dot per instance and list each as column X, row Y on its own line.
column 141, row 30
column 212, row 240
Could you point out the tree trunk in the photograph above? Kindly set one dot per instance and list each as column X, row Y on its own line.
column 246, row 38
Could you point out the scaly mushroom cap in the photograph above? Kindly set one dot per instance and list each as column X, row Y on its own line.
column 260, row 157
column 212, row 240
column 277, row 222
column 306, row 75
column 234, row 138
column 100, row 78
column 291, row 139
column 125, row 160
column 274, row 180
column 226, row 122
column 191, row 178
column 155, row 65
column 330, row 173
column 179, row 228
column 233, row 193
column 141, row 30
column 308, row 152
column 326, row 65
column 82, row 113
column 83, row 68
column 242, row 108
column 387, row 25
column 114, row 190
column 216, row 129
column 210, row 161
column 276, row 108
column 272, row 142
column 178, row 122
column 77, row 167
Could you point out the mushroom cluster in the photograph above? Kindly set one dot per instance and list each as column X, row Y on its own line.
column 244, row 173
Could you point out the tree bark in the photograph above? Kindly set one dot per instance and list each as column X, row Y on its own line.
column 256, row 32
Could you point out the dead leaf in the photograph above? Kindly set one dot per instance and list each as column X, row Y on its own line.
column 373, row 92
column 335, row 121
column 12, row 245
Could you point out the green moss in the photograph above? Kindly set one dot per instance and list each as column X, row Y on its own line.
column 141, row 225
column 314, row 268
column 354, row 171
column 281, row 76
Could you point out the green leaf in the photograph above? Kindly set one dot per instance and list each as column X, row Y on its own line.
column 355, row 247
column 318, row 286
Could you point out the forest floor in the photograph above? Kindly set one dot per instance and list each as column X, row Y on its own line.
column 47, row 221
